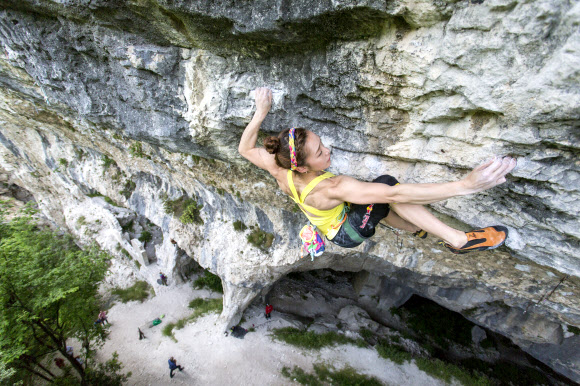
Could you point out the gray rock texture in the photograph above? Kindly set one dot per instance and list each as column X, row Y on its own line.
column 144, row 102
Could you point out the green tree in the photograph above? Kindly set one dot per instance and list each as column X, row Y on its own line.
column 48, row 294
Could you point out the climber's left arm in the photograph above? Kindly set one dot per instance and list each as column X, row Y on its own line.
column 247, row 148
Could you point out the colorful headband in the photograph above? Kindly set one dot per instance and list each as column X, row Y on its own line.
column 293, row 163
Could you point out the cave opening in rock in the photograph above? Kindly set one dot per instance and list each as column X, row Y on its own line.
column 325, row 301
column 451, row 337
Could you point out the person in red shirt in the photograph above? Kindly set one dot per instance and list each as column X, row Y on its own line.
column 269, row 309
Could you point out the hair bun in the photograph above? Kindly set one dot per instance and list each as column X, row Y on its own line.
column 272, row 145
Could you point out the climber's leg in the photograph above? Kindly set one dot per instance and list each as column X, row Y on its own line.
column 419, row 216
column 394, row 220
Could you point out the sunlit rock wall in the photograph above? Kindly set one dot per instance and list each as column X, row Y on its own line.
column 145, row 101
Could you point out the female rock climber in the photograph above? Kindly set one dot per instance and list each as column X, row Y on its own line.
column 347, row 210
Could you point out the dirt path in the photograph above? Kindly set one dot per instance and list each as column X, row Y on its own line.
column 211, row 358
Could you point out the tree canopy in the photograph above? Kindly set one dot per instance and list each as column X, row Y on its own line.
column 48, row 294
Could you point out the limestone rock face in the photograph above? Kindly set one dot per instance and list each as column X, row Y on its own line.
column 144, row 103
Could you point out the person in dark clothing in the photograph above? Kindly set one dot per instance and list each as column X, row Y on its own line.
column 269, row 309
column 238, row 331
column 163, row 278
column 173, row 366
column 141, row 335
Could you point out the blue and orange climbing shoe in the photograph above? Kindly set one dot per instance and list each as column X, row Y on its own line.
column 481, row 240
column 420, row 234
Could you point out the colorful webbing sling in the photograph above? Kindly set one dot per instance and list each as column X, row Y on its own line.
column 312, row 241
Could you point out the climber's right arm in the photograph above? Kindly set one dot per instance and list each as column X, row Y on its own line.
column 483, row 177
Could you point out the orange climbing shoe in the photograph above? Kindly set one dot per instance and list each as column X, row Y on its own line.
column 481, row 240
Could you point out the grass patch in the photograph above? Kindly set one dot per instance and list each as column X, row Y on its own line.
column 392, row 353
column 447, row 371
column 324, row 374
column 107, row 199
column 62, row 162
column 168, row 330
column 209, row 280
column 301, row 376
column 310, row 339
column 145, row 236
column 260, row 239
column 366, row 334
column 138, row 291
column 204, row 306
column 110, row 201
column 136, row 150
column 201, row 307
column 107, row 162
column 240, row 226
column 128, row 189
column 127, row 227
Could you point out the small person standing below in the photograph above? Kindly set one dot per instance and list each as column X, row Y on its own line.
column 173, row 366
column 163, row 278
column 269, row 309
column 59, row 362
column 103, row 317
column 141, row 335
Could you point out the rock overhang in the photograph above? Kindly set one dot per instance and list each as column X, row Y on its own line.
column 405, row 98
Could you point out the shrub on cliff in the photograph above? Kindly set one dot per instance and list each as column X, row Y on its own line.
column 191, row 213
column 240, row 226
column 260, row 239
column 187, row 209
column 145, row 237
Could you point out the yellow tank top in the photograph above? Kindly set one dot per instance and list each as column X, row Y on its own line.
column 329, row 221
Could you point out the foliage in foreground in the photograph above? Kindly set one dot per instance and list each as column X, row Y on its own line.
column 209, row 280
column 48, row 294
column 312, row 340
column 201, row 307
column 108, row 373
column 138, row 291
column 324, row 374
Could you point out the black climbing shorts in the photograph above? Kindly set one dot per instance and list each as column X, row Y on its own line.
column 362, row 219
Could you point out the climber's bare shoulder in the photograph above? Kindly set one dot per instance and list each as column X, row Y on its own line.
column 262, row 159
